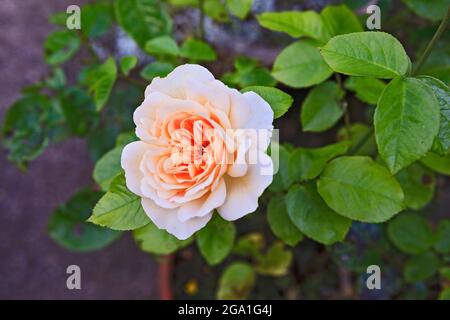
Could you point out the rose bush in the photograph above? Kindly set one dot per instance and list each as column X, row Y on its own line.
column 364, row 121
column 194, row 151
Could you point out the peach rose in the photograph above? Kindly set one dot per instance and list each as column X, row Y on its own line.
column 197, row 151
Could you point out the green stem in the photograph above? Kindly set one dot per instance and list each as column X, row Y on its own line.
column 362, row 142
column 344, row 106
column 201, row 23
column 85, row 41
column 133, row 81
column 432, row 43
column 347, row 120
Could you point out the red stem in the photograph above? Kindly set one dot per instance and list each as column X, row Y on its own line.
column 165, row 274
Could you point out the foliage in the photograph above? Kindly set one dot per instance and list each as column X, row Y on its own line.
column 382, row 171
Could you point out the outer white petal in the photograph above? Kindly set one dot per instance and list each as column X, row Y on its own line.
column 239, row 166
column 149, row 192
column 174, row 84
column 132, row 155
column 145, row 115
column 261, row 112
column 167, row 219
column 215, row 93
column 177, row 105
column 261, row 120
column 243, row 192
column 205, row 205
column 148, row 107
column 240, row 111
column 155, row 107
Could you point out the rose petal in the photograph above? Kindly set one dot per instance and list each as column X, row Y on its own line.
column 261, row 119
column 243, row 192
column 177, row 105
column 239, row 166
column 239, row 110
column 214, row 93
column 203, row 206
column 168, row 220
column 262, row 113
column 131, row 158
column 145, row 115
column 174, row 84
column 148, row 191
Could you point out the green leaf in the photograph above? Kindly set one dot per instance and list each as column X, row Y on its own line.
column 60, row 46
column 367, row 89
column 373, row 54
column 57, row 80
column 215, row 9
column 296, row 24
column 421, row 267
column 156, row 69
column 197, row 50
column 216, row 240
column 58, row 18
column 308, row 163
column 321, row 109
column 418, row 184
column 27, row 126
column 280, row 223
column 119, row 208
column 441, row 144
column 258, row 76
column 340, row 20
column 437, row 163
column 236, row 282
column 313, row 217
column 79, row 111
column 163, row 45
column 101, row 80
column 444, row 294
column 442, row 243
column 430, row 9
column 250, row 245
column 127, row 63
column 445, row 272
column 358, row 133
column 125, row 138
column 142, row 19
column 410, row 233
column 244, row 64
column 68, row 226
column 438, row 63
column 360, row 189
column 277, row 99
column 300, row 65
column 248, row 73
column 157, row 241
column 239, row 8
column 406, row 122
column 275, row 262
column 101, row 140
column 282, row 179
column 96, row 19
column 107, row 168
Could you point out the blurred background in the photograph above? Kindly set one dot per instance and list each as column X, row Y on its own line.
column 32, row 266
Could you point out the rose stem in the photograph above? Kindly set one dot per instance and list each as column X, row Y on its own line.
column 432, row 43
column 165, row 273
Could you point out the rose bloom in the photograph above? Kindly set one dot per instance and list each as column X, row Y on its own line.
column 197, row 151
